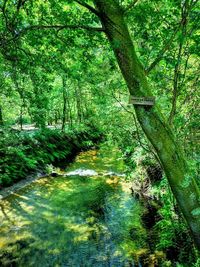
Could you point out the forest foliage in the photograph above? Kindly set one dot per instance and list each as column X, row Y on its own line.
column 58, row 69
column 52, row 71
column 24, row 154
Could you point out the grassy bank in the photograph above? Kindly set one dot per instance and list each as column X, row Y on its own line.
column 24, row 153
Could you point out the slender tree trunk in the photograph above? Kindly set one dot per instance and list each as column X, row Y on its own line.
column 70, row 117
column 1, row 117
column 151, row 120
column 177, row 71
column 78, row 102
column 21, row 117
column 64, row 103
column 175, row 88
column 55, row 117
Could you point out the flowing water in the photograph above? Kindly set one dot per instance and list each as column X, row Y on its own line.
column 84, row 217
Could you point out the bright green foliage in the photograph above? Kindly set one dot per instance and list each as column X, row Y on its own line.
column 57, row 68
column 172, row 233
column 22, row 154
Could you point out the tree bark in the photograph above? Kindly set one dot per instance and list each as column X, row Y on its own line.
column 153, row 123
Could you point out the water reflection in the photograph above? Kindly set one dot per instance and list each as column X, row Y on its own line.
column 82, row 172
column 76, row 220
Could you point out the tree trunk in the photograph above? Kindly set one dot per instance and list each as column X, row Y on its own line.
column 64, row 103
column 21, row 118
column 78, row 102
column 177, row 69
column 1, row 117
column 151, row 120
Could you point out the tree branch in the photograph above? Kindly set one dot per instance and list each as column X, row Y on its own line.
column 165, row 48
column 61, row 27
column 90, row 8
column 20, row 4
column 4, row 5
column 130, row 6
column 177, row 69
column 19, row 33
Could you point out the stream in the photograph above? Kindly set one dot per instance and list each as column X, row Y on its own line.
column 85, row 216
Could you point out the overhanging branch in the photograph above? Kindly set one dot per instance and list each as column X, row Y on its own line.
column 90, row 8
column 19, row 33
column 164, row 49
column 61, row 27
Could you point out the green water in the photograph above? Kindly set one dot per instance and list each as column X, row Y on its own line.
column 84, row 217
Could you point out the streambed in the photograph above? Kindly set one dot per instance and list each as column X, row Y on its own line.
column 84, row 217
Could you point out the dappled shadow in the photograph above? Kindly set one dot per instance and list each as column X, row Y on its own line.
column 70, row 221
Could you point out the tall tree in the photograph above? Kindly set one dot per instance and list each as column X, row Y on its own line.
column 151, row 120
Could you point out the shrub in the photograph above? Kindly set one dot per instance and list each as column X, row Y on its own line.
column 23, row 153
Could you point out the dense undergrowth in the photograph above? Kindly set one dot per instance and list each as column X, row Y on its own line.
column 24, row 153
column 166, row 227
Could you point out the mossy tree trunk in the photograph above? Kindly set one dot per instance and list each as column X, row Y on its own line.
column 151, row 120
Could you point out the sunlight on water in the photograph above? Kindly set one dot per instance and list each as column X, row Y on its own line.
column 82, row 172
column 86, row 217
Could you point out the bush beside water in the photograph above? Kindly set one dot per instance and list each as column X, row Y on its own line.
column 24, row 153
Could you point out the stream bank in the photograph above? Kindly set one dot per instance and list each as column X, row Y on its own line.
column 27, row 154
column 83, row 216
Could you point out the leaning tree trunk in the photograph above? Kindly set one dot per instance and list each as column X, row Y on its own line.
column 151, row 120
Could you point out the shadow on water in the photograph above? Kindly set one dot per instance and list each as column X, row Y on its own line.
column 73, row 220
